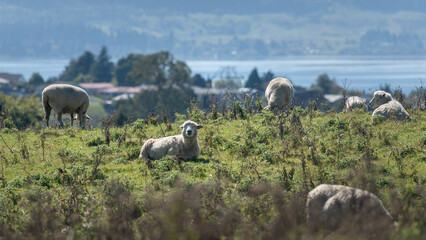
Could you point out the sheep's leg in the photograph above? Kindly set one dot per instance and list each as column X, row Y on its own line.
column 72, row 119
column 149, row 163
column 47, row 111
column 82, row 114
column 82, row 118
column 59, row 118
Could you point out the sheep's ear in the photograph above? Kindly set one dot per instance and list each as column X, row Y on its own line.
column 181, row 126
column 89, row 118
column 383, row 94
column 199, row 126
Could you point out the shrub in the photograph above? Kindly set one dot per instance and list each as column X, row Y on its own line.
column 96, row 141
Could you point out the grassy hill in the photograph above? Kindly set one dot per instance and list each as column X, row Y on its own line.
column 250, row 181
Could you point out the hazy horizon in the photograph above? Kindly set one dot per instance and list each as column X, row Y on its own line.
column 219, row 30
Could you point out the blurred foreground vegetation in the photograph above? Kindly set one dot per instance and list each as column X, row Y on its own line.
column 250, row 181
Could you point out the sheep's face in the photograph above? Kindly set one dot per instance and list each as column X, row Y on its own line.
column 189, row 129
column 379, row 98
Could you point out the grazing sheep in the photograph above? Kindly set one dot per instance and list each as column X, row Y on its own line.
column 279, row 93
column 346, row 210
column 355, row 102
column 387, row 107
column 64, row 98
column 185, row 146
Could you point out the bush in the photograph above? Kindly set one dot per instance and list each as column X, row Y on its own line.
column 21, row 112
column 96, row 141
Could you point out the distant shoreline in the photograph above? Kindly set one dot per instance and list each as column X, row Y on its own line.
column 364, row 73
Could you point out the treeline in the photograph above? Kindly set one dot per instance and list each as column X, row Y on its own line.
column 383, row 42
column 160, row 69
column 133, row 70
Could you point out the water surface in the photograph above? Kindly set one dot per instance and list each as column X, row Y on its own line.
column 361, row 73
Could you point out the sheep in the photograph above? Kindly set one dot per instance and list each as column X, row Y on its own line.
column 345, row 210
column 355, row 102
column 65, row 98
column 184, row 146
column 387, row 107
column 279, row 93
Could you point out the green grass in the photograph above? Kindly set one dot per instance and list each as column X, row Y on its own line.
column 250, row 180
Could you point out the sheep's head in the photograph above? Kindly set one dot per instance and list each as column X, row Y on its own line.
column 189, row 128
column 379, row 98
column 83, row 119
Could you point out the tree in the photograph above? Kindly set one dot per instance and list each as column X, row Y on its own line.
column 23, row 112
column 85, row 62
column 70, row 72
column 253, row 80
column 170, row 101
column 36, row 79
column 83, row 78
column 198, row 80
column 326, row 85
column 266, row 78
column 103, row 68
column 159, row 69
column 52, row 80
column 150, row 69
column 209, row 83
column 123, row 68
column 179, row 73
column 76, row 67
column 386, row 87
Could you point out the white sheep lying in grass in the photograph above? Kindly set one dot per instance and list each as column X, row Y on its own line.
column 387, row 107
column 184, row 146
column 341, row 209
column 65, row 98
column 279, row 93
column 355, row 102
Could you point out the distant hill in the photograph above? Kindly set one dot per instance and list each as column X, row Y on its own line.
column 219, row 29
column 227, row 7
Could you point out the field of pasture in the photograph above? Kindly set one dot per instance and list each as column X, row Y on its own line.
column 250, row 181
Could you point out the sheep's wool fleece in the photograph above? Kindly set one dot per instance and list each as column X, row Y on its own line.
column 279, row 93
column 392, row 109
column 185, row 147
column 355, row 102
column 158, row 148
column 334, row 206
column 66, row 98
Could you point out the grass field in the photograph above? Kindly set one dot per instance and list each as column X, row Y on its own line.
column 250, row 181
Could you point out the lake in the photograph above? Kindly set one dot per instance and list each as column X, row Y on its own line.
column 361, row 73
